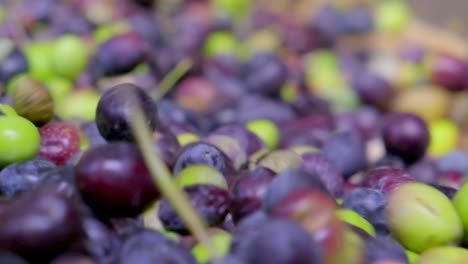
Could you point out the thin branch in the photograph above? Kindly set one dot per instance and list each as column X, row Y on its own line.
column 162, row 177
column 168, row 82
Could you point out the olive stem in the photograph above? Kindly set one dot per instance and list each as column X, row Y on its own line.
column 162, row 178
column 172, row 77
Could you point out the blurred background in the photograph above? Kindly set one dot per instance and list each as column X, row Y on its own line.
column 449, row 14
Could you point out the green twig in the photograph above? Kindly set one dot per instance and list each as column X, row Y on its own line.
column 162, row 177
column 172, row 77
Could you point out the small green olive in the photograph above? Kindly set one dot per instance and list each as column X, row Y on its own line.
column 80, row 104
column 445, row 255
column 70, row 56
column 266, row 130
column 7, row 110
column 412, row 257
column 221, row 241
column 39, row 56
column 461, row 205
column 187, row 138
column 353, row 218
column 200, row 174
column 219, row 43
column 19, row 139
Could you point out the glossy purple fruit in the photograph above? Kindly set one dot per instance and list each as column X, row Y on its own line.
column 149, row 246
column 248, row 190
column 425, row 171
column 14, row 64
column 114, row 111
column 37, row 12
column 454, row 161
column 356, row 21
column 454, row 179
column 3, row 207
column 449, row 72
column 281, row 242
column 288, row 182
column 64, row 176
column 389, row 161
column 328, row 173
column 66, row 20
column 312, row 130
column 189, row 34
column 145, row 25
column 211, row 202
column 114, row 180
column 232, row 89
column 253, row 107
column 100, row 242
column 223, row 65
column 264, row 74
column 299, row 37
column 8, row 257
column 174, row 115
column 373, row 90
column 325, row 24
column 386, row 179
column 119, row 54
column 40, row 224
column 199, row 95
column 92, row 133
column 23, row 176
column 365, row 121
column 370, row 204
column 203, row 153
column 385, row 249
column 405, row 135
column 346, row 151
column 309, row 105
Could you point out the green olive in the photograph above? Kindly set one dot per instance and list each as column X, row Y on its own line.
column 221, row 241
column 220, row 42
column 392, row 16
column 236, row 9
column 353, row 218
column 7, row 110
column 201, row 174
column 412, row 257
column 39, row 55
column 59, row 88
column 80, row 104
column 445, row 137
column 421, row 217
column 266, row 130
column 445, row 255
column 461, row 205
column 70, row 56
column 19, row 139
column 187, row 138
